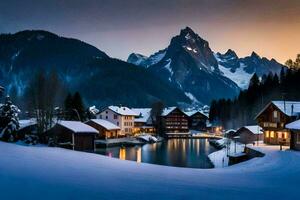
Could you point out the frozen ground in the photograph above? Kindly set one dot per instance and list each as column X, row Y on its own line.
column 54, row 173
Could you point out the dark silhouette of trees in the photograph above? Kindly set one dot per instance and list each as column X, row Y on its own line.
column 243, row 109
column 74, row 107
column 157, row 120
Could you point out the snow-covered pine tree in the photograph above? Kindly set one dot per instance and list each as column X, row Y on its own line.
column 9, row 121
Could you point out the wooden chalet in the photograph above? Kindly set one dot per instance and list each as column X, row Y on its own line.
column 74, row 135
column 294, row 127
column 249, row 134
column 105, row 128
column 175, row 120
column 197, row 120
column 273, row 119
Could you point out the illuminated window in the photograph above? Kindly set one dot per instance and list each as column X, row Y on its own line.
column 272, row 134
column 267, row 134
column 284, row 135
column 280, row 135
column 275, row 114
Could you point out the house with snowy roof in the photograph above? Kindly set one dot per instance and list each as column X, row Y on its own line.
column 143, row 121
column 294, row 128
column 105, row 128
column 273, row 118
column 121, row 116
column 176, row 121
column 73, row 135
column 249, row 134
column 197, row 120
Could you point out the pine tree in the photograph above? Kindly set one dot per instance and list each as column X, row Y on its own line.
column 78, row 106
column 9, row 121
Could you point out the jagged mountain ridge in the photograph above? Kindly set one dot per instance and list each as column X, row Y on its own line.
column 100, row 79
column 240, row 70
column 229, row 65
column 190, row 65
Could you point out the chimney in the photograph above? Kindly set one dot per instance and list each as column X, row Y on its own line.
column 292, row 109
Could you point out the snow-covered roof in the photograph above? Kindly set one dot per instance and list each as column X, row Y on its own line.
column 285, row 107
column 143, row 114
column 93, row 110
column 230, row 130
column 294, row 125
column 77, row 127
column 190, row 113
column 26, row 122
column 106, row 124
column 167, row 111
column 254, row 129
column 122, row 110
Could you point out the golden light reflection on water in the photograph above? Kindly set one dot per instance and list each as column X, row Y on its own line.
column 122, row 154
column 139, row 155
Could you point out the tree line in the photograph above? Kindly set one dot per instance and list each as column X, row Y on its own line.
column 241, row 111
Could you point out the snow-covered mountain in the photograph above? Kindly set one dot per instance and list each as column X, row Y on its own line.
column 190, row 65
column 240, row 70
column 145, row 61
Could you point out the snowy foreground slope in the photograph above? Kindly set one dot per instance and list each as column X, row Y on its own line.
column 54, row 173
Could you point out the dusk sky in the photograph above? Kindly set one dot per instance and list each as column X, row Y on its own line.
column 119, row 27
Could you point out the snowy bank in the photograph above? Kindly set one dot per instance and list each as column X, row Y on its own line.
column 55, row 173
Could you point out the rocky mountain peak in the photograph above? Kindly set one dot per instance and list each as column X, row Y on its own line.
column 230, row 53
column 254, row 55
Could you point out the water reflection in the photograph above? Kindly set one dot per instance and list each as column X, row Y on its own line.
column 173, row 152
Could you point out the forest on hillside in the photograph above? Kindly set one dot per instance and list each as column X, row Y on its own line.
column 241, row 111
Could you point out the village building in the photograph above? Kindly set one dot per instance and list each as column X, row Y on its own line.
column 249, row 134
column 143, row 121
column 73, row 135
column 294, row 127
column 105, row 128
column 197, row 120
column 121, row 116
column 273, row 119
column 175, row 120
column 27, row 127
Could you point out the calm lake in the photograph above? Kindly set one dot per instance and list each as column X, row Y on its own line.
column 191, row 153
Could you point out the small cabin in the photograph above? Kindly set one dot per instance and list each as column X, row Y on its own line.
column 249, row 134
column 74, row 135
column 273, row 119
column 294, row 127
column 105, row 128
column 27, row 127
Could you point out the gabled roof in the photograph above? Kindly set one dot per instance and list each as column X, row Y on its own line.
column 106, row 124
column 294, row 125
column 191, row 113
column 285, row 107
column 77, row 127
column 27, row 122
column 122, row 110
column 143, row 114
column 167, row 111
column 254, row 129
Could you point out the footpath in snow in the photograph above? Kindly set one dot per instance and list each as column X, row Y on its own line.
column 55, row 173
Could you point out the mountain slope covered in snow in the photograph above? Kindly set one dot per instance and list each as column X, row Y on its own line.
column 189, row 64
column 188, row 54
column 240, row 70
